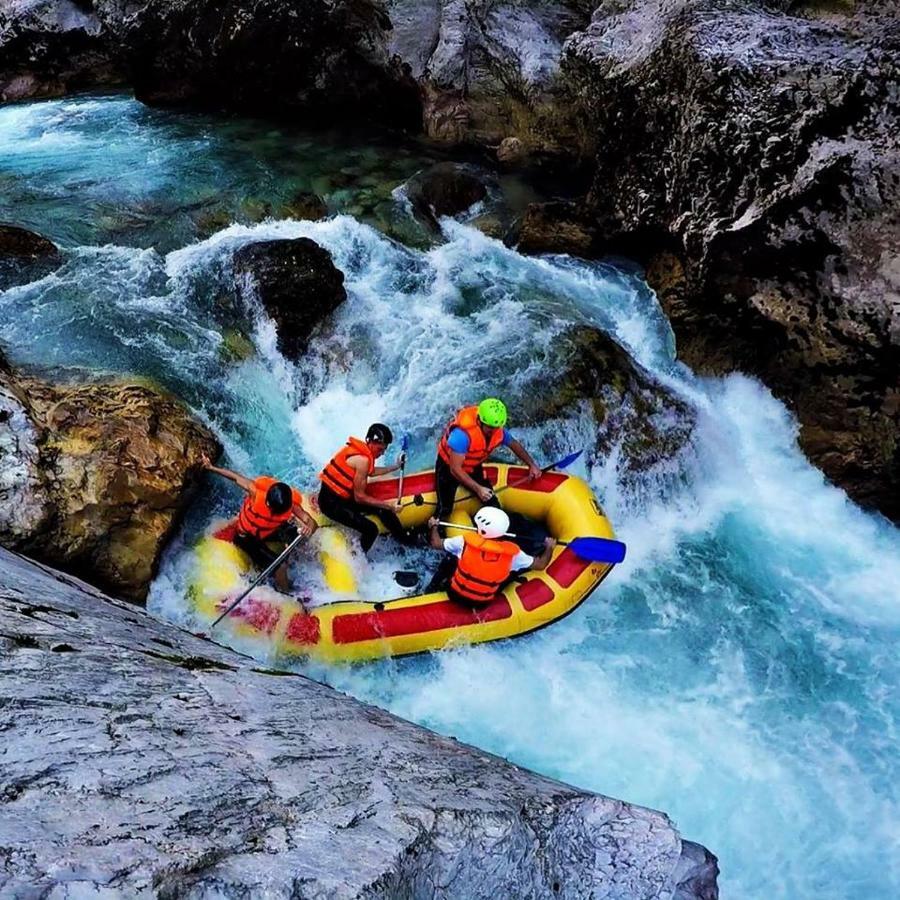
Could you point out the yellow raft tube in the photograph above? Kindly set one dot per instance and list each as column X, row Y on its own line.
column 355, row 630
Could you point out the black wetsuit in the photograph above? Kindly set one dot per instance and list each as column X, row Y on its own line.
column 445, row 484
column 356, row 516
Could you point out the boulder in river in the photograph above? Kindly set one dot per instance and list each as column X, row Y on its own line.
column 639, row 419
column 297, row 284
column 760, row 143
column 95, row 476
column 445, row 189
column 140, row 760
column 25, row 256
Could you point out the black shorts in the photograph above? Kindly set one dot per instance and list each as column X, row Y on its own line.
column 260, row 550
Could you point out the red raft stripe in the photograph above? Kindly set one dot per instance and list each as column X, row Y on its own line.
column 258, row 614
column 303, row 629
column 422, row 483
column 546, row 484
column 566, row 568
column 350, row 629
column 534, row 593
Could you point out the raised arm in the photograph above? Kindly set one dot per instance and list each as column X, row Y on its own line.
column 244, row 483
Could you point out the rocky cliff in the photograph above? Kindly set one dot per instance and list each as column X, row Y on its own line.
column 139, row 759
column 748, row 151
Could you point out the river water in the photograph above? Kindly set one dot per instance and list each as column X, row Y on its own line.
column 739, row 671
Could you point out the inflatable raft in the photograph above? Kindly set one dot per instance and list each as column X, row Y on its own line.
column 352, row 629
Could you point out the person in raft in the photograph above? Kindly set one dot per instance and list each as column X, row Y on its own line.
column 344, row 496
column 484, row 561
column 271, row 514
column 470, row 438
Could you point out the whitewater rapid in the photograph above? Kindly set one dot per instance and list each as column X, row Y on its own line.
column 739, row 670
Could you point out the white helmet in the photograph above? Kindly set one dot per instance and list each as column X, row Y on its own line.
column 491, row 522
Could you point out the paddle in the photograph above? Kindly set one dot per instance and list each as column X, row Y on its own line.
column 563, row 463
column 404, row 446
column 593, row 549
column 262, row 575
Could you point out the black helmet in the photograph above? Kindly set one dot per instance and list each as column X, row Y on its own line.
column 279, row 497
column 380, row 434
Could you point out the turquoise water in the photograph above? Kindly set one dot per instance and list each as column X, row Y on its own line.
column 739, row 671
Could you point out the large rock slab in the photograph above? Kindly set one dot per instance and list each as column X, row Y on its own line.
column 750, row 151
column 94, row 476
column 297, row 283
column 140, row 760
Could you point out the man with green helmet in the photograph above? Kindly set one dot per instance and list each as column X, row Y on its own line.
column 470, row 438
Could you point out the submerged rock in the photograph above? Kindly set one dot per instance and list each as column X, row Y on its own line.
column 94, row 477
column 25, row 256
column 241, row 781
column 297, row 284
column 757, row 148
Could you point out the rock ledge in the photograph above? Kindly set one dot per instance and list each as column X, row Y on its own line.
column 141, row 759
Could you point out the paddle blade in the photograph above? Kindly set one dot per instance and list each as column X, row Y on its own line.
column 597, row 549
column 404, row 444
column 565, row 462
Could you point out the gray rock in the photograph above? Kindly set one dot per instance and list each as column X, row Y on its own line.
column 488, row 69
column 751, row 150
column 140, row 760
column 53, row 47
column 297, row 284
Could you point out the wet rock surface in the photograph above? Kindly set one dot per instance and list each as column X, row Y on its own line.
column 94, row 477
column 754, row 148
column 445, row 189
column 140, row 759
column 641, row 423
column 297, row 284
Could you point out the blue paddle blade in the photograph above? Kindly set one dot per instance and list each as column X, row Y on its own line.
column 404, row 444
column 565, row 462
column 597, row 549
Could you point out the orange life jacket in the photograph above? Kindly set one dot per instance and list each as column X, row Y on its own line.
column 338, row 474
column 479, row 448
column 484, row 565
column 255, row 517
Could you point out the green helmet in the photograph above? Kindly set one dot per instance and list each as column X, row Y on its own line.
column 492, row 412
